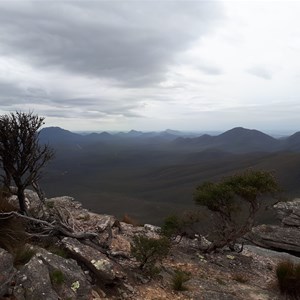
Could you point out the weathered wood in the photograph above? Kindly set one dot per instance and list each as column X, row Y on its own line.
column 52, row 227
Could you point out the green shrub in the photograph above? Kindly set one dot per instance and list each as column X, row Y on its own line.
column 175, row 225
column 288, row 277
column 148, row 251
column 172, row 226
column 179, row 278
column 57, row 277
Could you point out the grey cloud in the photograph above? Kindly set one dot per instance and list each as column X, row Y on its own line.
column 210, row 69
column 261, row 72
column 131, row 42
column 9, row 91
column 89, row 108
column 13, row 94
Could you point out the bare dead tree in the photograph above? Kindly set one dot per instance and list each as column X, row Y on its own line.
column 21, row 156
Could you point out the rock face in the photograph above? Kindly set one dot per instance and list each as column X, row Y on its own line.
column 103, row 268
column 289, row 213
column 49, row 275
column 33, row 282
column 286, row 236
column 276, row 237
column 7, row 271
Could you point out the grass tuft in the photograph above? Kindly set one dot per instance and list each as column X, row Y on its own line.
column 179, row 279
column 288, row 277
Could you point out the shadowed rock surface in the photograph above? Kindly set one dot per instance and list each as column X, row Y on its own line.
column 7, row 271
column 103, row 268
column 284, row 237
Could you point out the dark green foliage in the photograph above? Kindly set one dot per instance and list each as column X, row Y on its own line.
column 148, row 251
column 176, row 225
column 229, row 196
column 179, row 278
column 57, row 277
column 173, row 225
column 288, row 277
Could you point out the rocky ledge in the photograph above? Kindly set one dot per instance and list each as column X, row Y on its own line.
column 283, row 237
column 70, row 268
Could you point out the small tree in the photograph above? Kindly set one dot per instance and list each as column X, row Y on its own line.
column 21, row 156
column 148, row 250
column 228, row 197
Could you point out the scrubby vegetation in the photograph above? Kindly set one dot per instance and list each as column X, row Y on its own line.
column 148, row 251
column 180, row 225
column 288, row 277
column 237, row 195
column 179, row 279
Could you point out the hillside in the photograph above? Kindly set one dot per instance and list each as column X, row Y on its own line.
column 148, row 176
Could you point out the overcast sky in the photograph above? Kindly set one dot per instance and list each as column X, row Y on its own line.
column 152, row 65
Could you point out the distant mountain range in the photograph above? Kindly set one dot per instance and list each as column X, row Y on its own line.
column 236, row 140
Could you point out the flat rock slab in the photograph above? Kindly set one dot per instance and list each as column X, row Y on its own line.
column 270, row 254
column 276, row 237
column 103, row 268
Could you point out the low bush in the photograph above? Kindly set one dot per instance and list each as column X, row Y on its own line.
column 173, row 225
column 179, row 279
column 288, row 277
column 181, row 225
column 148, row 251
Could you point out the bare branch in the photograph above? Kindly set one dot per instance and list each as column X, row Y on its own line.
column 54, row 227
column 21, row 155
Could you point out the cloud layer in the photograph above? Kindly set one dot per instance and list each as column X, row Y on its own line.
column 147, row 64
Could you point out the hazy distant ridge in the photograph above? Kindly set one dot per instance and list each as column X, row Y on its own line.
column 236, row 140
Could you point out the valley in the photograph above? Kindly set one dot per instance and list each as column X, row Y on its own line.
column 151, row 175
